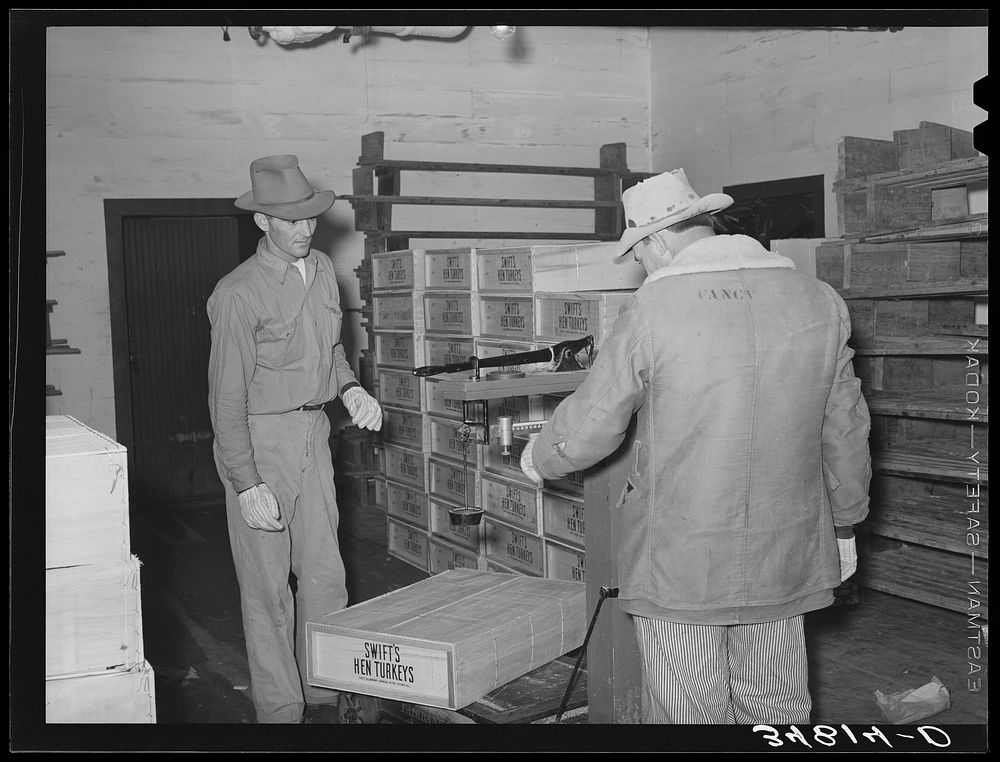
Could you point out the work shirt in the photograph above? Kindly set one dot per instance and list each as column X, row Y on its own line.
column 275, row 347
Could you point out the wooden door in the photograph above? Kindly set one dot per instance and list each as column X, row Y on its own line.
column 166, row 263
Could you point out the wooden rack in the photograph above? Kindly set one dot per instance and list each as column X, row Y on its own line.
column 376, row 185
column 54, row 346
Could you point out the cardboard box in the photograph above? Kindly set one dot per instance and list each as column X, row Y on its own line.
column 407, row 543
column 119, row 697
column 93, row 618
column 86, row 495
column 448, row 640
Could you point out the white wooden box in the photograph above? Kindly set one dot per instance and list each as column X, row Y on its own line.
column 397, row 311
column 514, row 547
column 449, row 269
column 398, row 270
column 405, row 428
column 444, row 350
column 450, row 313
column 444, row 556
column 564, row 518
column 399, row 388
column 93, row 618
column 439, row 402
column 564, row 562
column 448, row 640
column 511, row 502
column 506, row 270
column 399, row 349
column 507, row 316
column 563, row 316
column 86, row 495
column 407, row 543
column 445, row 440
column 451, row 482
column 467, row 536
column 583, row 267
column 118, row 697
column 407, row 504
column 405, row 466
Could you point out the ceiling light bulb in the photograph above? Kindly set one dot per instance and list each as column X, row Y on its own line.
column 503, row 32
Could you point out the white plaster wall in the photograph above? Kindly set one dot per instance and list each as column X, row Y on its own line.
column 734, row 106
column 169, row 112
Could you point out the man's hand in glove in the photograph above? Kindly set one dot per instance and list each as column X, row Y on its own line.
column 848, row 557
column 364, row 409
column 260, row 508
column 526, row 465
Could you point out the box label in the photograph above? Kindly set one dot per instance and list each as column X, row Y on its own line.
column 379, row 666
column 507, row 317
column 449, row 269
column 448, row 313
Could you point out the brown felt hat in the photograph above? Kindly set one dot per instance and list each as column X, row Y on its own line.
column 279, row 189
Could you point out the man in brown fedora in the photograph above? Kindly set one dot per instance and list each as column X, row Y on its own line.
column 748, row 467
column 276, row 361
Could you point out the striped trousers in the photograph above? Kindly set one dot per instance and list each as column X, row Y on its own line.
column 723, row 674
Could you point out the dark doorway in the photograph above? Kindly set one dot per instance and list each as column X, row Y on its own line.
column 775, row 209
column 164, row 258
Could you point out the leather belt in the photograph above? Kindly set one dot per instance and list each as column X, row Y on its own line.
column 311, row 407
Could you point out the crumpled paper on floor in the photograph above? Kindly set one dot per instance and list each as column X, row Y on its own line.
column 914, row 704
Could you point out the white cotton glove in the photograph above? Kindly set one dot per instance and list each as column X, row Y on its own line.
column 260, row 508
column 526, row 465
column 848, row 557
column 364, row 409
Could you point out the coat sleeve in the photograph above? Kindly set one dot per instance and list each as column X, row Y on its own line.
column 591, row 423
column 231, row 363
column 846, row 428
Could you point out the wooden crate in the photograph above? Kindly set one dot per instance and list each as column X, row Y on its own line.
column 564, row 518
column 512, row 502
column 444, row 350
column 407, row 543
column 513, row 547
column 404, row 428
column 93, row 618
column 506, row 270
column 448, row 640
column 444, row 556
column 932, row 143
column 583, row 267
column 86, row 495
column 448, row 481
column 400, row 388
column 399, row 349
column 440, row 403
column 445, row 440
column 404, row 466
column 561, row 316
column 397, row 311
column 508, row 316
column 407, row 504
column 118, row 697
column 467, row 536
column 564, row 562
column 449, row 269
column 450, row 313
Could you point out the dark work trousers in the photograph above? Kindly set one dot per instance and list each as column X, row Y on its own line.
column 292, row 454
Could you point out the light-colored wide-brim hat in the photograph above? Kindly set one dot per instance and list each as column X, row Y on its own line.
column 279, row 189
column 661, row 201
